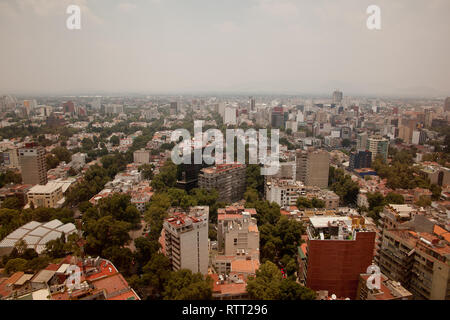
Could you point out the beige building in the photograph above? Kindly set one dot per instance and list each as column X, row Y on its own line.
column 185, row 239
column 141, row 156
column 420, row 261
column 46, row 196
column 313, row 167
column 33, row 165
column 378, row 146
column 238, row 242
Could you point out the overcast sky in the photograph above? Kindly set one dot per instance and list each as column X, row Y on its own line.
column 267, row 46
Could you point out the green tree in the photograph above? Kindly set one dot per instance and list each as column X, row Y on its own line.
column 185, row 285
column 266, row 284
column 12, row 203
column 147, row 171
column 14, row 265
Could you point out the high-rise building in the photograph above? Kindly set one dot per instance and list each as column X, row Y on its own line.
column 252, row 104
column 69, row 107
column 360, row 159
column 339, row 249
column 227, row 179
column 173, row 108
column 313, row 167
column 378, row 146
column 447, row 104
column 428, row 117
column 337, row 97
column 406, row 129
column 184, row 239
column 418, row 137
column 33, row 164
column 230, row 116
column 277, row 117
column 361, row 141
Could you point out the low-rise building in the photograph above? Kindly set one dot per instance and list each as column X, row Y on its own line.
column 46, row 196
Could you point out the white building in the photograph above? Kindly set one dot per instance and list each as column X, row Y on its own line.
column 230, row 116
column 284, row 192
column 185, row 240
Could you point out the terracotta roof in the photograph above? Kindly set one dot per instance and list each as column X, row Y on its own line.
column 245, row 266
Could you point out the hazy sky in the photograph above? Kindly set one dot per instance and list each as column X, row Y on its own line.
column 267, row 46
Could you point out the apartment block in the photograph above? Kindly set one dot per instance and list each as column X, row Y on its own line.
column 185, row 239
column 33, row 164
column 378, row 146
column 313, row 167
column 227, row 179
column 284, row 192
column 420, row 261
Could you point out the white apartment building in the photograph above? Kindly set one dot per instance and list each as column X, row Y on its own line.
column 284, row 192
column 185, row 240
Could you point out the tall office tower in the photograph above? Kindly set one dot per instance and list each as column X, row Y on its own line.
column 188, row 172
column 361, row 141
column 339, row 249
column 252, row 104
column 360, row 159
column 337, row 97
column 405, row 130
column 428, row 118
column 230, row 116
column 378, row 146
column 173, row 108
column 277, row 117
column 227, row 179
column 184, row 239
column 447, row 104
column 313, row 167
column 32, row 164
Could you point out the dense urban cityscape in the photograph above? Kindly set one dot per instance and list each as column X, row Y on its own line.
column 225, row 158
column 89, row 182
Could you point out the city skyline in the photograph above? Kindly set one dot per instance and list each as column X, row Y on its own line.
column 246, row 47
